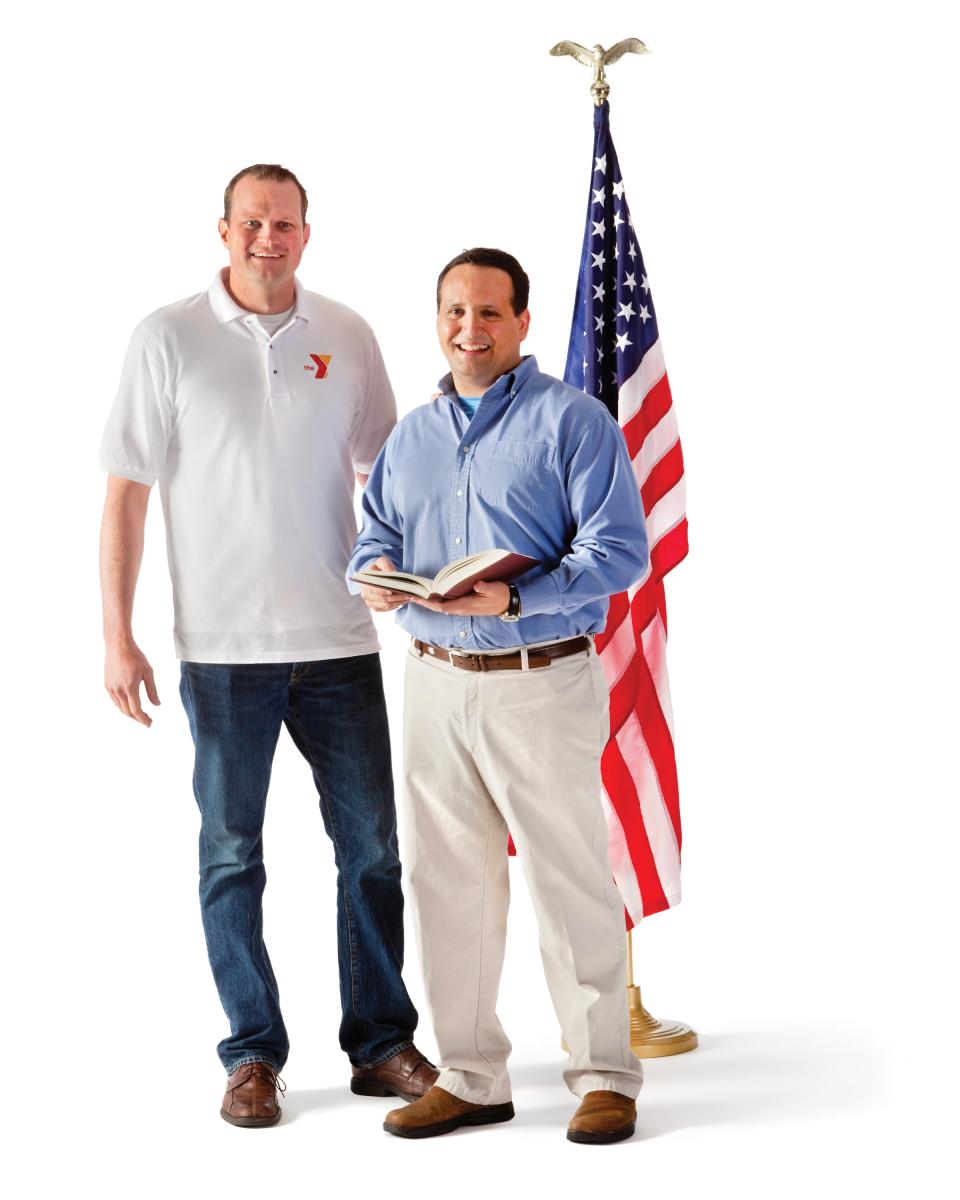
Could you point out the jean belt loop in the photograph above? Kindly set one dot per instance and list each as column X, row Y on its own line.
column 524, row 659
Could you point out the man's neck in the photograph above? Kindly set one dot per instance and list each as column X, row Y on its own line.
column 471, row 388
column 259, row 299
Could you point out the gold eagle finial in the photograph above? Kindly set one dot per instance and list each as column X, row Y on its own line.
column 598, row 58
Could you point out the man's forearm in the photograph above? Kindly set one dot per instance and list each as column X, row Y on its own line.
column 121, row 551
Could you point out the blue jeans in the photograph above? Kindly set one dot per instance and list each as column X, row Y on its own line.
column 335, row 712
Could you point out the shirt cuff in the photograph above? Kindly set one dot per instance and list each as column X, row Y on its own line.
column 124, row 472
column 538, row 596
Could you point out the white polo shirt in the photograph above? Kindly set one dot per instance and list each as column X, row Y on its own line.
column 255, row 438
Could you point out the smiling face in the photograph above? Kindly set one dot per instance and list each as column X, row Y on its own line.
column 265, row 237
column 479, row 332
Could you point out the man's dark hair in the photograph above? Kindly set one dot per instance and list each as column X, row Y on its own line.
column 271, row 171
column 481, row 256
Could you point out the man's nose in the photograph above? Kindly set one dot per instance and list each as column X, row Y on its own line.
column 471, row 323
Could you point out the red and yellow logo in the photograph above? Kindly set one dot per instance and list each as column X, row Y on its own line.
column 320, row 362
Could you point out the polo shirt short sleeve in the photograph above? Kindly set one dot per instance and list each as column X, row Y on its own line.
column 254, row 438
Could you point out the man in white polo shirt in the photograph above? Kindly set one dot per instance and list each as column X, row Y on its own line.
column 254, row 404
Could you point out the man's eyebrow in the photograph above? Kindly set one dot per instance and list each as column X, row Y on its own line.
column 259, row 216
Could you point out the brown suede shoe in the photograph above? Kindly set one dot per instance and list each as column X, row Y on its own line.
column 407, row 1074
column 603, row 1117
column 251, row 1096
column 439, row 1112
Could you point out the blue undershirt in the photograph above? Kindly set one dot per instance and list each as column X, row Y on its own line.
column 469, row 404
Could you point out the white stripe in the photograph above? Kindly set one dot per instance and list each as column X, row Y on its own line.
column 661, row 438
column 633, row 391
column 656, row 819
column 617, row 654
column 668, row 512
column 635, row 587
column 624, row 876
column 654, row 642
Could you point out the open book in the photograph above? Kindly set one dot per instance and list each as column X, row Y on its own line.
column 453, row 580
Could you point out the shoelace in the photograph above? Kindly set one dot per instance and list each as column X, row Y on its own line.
column 278, row 1083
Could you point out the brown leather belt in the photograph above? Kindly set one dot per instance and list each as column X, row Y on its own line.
column 504, row 662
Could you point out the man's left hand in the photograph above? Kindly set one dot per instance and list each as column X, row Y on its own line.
column 487, row 600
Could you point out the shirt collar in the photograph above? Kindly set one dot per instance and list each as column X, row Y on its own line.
column 226, row 309
column 510, row 381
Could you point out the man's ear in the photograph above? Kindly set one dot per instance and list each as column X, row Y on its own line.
column 524, row 323
column 224, row 230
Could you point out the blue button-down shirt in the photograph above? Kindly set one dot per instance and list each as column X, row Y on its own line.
column 541, row 469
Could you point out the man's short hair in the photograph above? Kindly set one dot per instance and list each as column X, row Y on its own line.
column 271, row 171
column 481, row 256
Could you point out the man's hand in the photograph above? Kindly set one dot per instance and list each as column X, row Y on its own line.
column 487, row 600
column 380, row 599
column 126, row 668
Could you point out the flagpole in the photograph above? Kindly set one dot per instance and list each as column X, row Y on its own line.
column 649, row 1037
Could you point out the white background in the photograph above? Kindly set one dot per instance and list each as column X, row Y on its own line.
column 789, row 169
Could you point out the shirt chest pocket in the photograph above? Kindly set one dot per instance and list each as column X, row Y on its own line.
column 517, row 474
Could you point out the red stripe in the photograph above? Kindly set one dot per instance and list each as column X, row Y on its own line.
column 623, row 796
column 618, row 612
column 656, row 733
column 670, row 550
column 666, row 474
column 655, row 406
column 623, row 697
column 643, row 608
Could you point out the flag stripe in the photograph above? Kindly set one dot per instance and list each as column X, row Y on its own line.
column 633, row 390
column 656, row 820
column 670, row 550
column 619, row 783
column 656, row 404
column 661, row 438
column 667, row 513
column 666, row 474
column 654, row 641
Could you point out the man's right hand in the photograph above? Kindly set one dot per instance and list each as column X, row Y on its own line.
column 126, row 668
column 381, row 599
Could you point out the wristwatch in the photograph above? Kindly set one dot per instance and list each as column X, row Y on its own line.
column 512, row 611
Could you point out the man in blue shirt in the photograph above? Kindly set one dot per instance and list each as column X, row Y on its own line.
column 506, row 710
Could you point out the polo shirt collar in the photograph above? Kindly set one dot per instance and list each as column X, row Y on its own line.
column 226, row 309
column 510, row 381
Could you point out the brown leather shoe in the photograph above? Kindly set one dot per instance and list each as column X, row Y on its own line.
column 251, row 1096
column 439, row 1112
column 407, row 1074
column 603, row 1117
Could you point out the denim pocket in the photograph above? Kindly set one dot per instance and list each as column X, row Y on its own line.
column 519, row 474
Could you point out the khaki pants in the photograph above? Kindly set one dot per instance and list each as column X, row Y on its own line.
column 484, row 752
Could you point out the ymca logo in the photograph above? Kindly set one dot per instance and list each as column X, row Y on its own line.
column 319, row 362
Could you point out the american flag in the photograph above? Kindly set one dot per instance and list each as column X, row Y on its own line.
column 615, row 355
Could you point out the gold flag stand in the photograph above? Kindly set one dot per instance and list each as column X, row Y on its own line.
column 649, row 1038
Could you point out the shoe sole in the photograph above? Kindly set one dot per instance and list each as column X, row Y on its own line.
column 250, row 1122
column 364, row 1087
column 492, row 1115
column 602, row 1139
